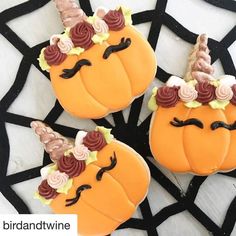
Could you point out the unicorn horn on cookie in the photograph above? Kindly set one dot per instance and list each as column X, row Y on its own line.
column 54, row 143
column 70, row 12
column 199, row 86
column 199, row 67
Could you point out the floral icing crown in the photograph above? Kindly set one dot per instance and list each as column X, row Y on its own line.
column 198, row 87
column 81, row 32
column 70, row 159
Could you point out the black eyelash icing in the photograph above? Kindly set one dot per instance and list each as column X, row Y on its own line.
column 180, row 123
column 124, row 43
column 68, row 73
column 73, row 201
column 107, row 168
column 220, row 124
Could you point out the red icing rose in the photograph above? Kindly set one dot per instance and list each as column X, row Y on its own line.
column 206, row 92
column 53, row 55
column 46, row 191
column 71, row 166
column 94, row 141
column 233, row 100
column 115, row 20
column 81, row 35
column 167, row 96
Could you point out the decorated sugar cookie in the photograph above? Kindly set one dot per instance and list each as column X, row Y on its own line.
column 193, row 127
column 94, row 176
column 100, row 64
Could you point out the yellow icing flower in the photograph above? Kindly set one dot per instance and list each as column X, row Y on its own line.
column 216, row 104
column 106, row 133
column 92, row 157
column 42, row 62
column 127, row 15
column 76, row 51
column 65, row 189
column 99, row 39
column 152, row 104
column 193, row 104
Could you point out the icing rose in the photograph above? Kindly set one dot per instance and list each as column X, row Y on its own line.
column 101, row 12
column 81, row 152
column 53, row 56
column 71, row 166
column 100, row 26
column 174, row 81
column 167, row 96
column 233, row 100
column 224, row 92
column 206, row 92
column 65, row 45
column 81, row 35
column 115, row 20
column 94, row 140
column 57, row 179
column 46, row 191
column 187, row 93
column 55, row 39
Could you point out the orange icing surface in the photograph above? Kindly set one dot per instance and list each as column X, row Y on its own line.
column 108, row 85
column 112, row 200
column 189, row 148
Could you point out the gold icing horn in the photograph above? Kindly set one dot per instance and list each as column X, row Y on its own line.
column 70, row 12
column 54, row 143
column 199, row 67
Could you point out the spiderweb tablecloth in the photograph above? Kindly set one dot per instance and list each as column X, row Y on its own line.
column 176, row 204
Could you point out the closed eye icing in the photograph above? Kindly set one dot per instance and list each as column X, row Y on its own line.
column 124, row 43
column 180, row 123
column 220, row 124
column 69, row 73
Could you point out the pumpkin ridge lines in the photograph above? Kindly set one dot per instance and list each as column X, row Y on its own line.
column 111, row 176
column 102, row 213
column 184, row 145
column 117, row 55
column 94, row 208
column 81, row 77
column 230, row 138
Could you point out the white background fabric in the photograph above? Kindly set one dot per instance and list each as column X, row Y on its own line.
column 37, row 98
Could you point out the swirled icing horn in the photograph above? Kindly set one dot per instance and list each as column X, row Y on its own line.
column 199, row 67
column 54, row 143
column 70, row 12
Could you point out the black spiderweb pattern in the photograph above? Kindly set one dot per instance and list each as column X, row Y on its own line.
column 130, row 133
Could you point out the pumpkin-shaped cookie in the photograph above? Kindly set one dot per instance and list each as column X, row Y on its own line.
column 100, row 64
column 96, row 177
column 193, row 128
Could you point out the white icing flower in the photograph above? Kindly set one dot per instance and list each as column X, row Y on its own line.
column 100, row 26
column 79, row 138
column 101, row 12
column 65, row 45
column 175, row 81
column 187, row 93
column 46, row 170
column 81, row 152
column 57, row 179
column 224, row 92
column 55, row 39
column 227, row 80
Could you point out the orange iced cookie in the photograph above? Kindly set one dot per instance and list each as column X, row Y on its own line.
column 94, row 176
column 193, row 127
column 100, row 64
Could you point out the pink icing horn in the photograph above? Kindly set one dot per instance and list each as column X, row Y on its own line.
column 70, row 12
column 54, row 144
column 200, row 67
